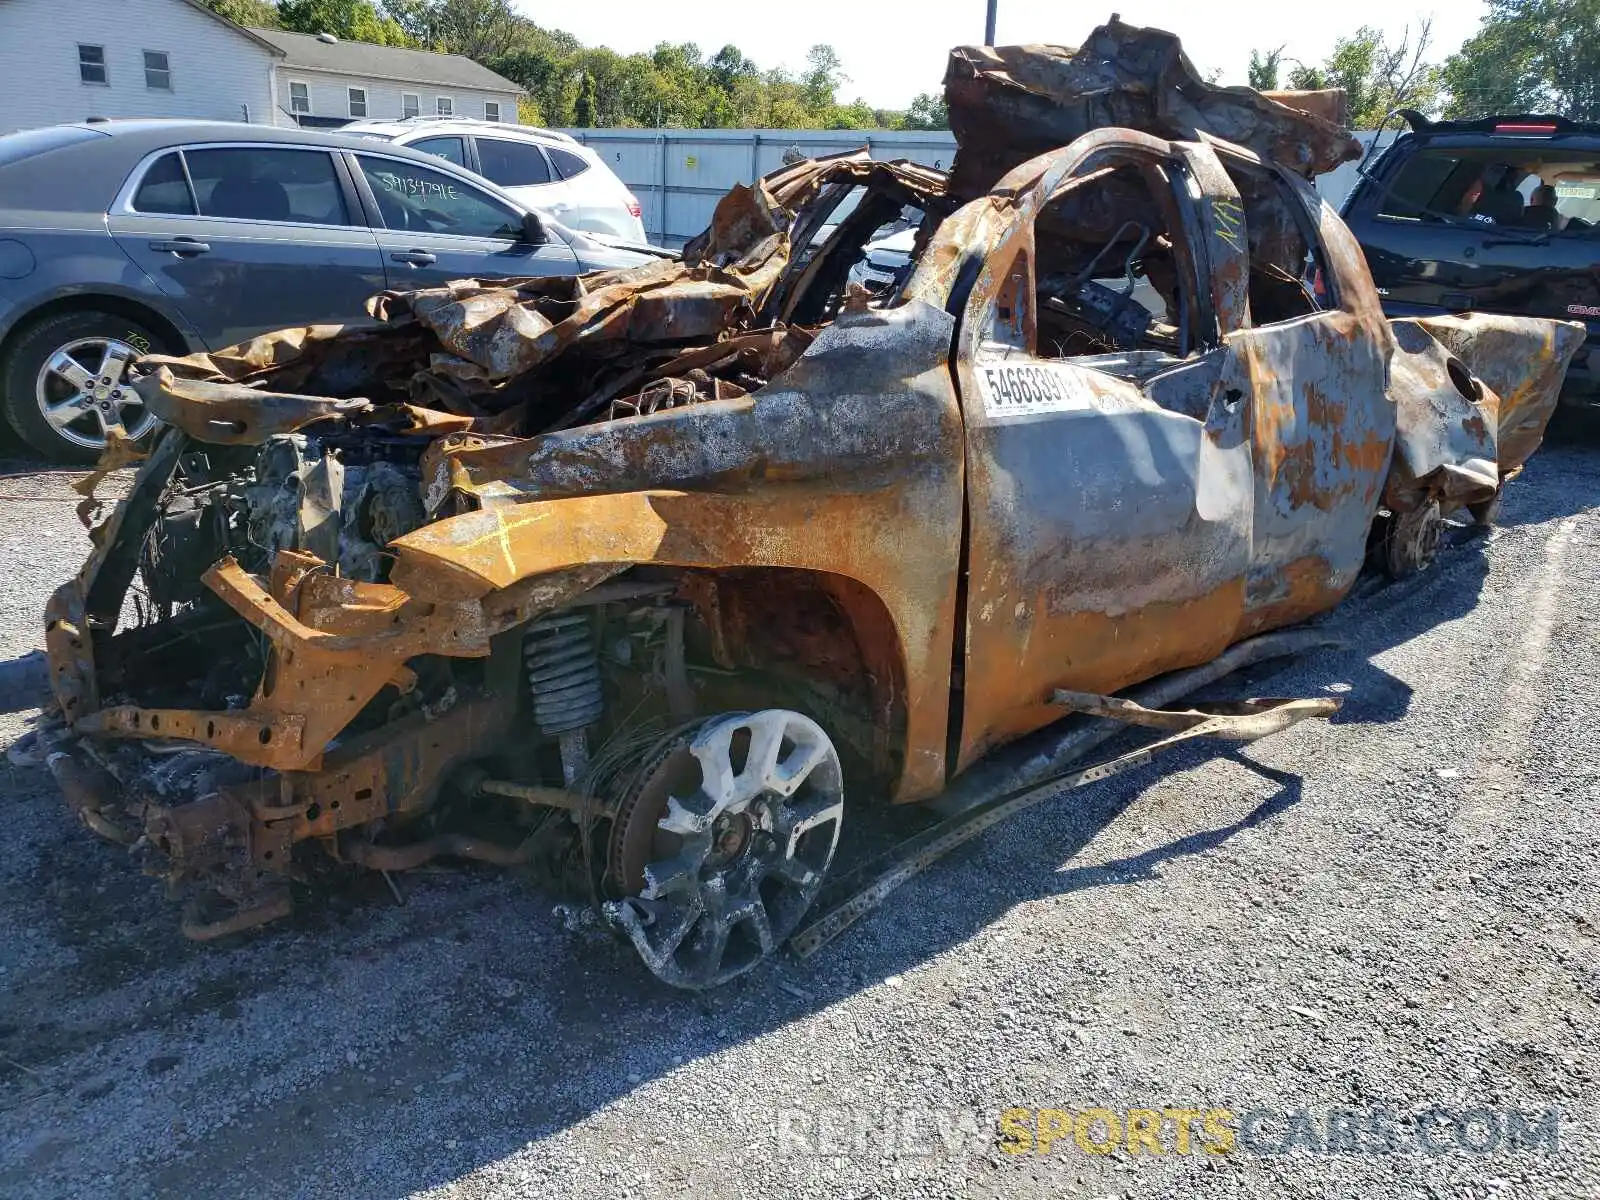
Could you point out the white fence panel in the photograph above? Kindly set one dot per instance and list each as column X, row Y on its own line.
column 679, row 174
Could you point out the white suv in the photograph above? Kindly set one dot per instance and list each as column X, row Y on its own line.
column 547, row 170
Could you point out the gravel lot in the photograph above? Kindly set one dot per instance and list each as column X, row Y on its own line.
column 1393, row 911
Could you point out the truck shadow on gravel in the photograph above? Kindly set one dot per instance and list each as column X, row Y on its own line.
column 1144, row 867
column 24, row 682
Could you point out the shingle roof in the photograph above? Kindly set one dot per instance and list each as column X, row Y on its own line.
column 307, row 52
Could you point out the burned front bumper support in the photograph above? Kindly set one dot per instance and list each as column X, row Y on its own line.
column 333, row 645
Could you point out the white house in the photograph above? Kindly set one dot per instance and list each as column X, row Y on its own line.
column 323, row 81
column 65, row 60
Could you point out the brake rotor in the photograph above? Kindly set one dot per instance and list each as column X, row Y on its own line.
column 1411, row 540
column 722, row 843
column 636, row 839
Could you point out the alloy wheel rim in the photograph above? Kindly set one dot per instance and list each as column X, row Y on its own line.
column 83, row 393
column 745, row 851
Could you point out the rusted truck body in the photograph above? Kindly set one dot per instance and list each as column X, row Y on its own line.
column 625, row 577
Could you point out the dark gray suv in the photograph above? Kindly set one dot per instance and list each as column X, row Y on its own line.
column 122, row 237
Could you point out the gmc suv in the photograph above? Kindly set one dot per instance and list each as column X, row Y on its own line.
column 1497, row 215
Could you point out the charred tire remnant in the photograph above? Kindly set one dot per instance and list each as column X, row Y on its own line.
column 1411, row 539
column 724, row 844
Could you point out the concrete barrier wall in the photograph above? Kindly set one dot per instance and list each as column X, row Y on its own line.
column 679, row 174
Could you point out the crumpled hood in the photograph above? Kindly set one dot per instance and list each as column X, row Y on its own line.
column 521, row 356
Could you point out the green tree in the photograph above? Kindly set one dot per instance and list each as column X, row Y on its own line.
column 727, row 67
column 749, row 101
column 823, row 76
column 353, row 20
column 1529, row 56
column 1264, row 69
column 584, row 114
column 1377, row 75
column 259, row 13
column 479, row 29
column 529, row 112
column 928, row 111
column 859, row 115
column 545, row 63
column 1307, row 79
column 568, row 83
column 679, row 81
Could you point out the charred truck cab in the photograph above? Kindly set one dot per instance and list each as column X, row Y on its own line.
column 629, row 577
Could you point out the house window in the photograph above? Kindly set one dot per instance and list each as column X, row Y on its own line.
column 447, row 107
column 157, row 71
column 491, row 110
column 92, row 63
column 410, row 104
column 358, row 102
column 299, row 97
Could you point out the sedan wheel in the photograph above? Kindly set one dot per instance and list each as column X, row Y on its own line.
column 83, row 393
column 65, row 382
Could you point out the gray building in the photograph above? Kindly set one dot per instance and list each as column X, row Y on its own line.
column 325, row 82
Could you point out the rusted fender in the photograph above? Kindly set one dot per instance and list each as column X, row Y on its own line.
column 1445, row 422
column 336, row 643
column 848, row 464
column 1524, row 361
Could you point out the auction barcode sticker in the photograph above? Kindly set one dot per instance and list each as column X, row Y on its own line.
column 1010, row 391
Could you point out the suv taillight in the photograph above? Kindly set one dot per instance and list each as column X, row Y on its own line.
column 1525, row 128
column 633, row 206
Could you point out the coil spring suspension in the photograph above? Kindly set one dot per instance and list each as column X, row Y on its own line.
column 564, row 683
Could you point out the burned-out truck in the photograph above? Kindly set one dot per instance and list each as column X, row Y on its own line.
column 635, row 576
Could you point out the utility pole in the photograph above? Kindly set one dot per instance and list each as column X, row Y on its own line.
column 988, row 28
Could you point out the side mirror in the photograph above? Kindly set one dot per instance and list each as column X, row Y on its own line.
column 532, row 228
